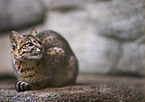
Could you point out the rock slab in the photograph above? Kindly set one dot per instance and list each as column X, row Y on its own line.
column 104, row 34
column 20, row 13
column 88, row 88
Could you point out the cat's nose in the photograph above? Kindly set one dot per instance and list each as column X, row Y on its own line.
column 38, row 50
column 40, row 47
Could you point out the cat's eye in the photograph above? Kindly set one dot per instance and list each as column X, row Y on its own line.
column 30, row 44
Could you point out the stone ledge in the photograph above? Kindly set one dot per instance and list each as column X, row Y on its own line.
column 88, row 88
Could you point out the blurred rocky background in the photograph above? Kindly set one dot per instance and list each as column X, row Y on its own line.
column 105, row 35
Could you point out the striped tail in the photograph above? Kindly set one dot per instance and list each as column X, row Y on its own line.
column 22, row 86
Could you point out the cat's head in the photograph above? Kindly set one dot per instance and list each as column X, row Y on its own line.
column 26, row 46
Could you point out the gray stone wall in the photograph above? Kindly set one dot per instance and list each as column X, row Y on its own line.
column 104, row 34
column 20, row 13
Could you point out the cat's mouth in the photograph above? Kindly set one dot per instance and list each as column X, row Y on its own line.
column 34, row 56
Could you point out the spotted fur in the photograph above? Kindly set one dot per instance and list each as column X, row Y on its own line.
column 42, row 60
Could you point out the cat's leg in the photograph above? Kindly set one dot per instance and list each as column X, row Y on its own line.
column 22, row 86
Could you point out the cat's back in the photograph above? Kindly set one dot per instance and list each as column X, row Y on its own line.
column 50, row 38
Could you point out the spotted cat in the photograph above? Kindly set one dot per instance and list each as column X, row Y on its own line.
column 42, row 60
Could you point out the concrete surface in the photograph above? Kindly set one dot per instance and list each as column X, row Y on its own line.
column 88, row 88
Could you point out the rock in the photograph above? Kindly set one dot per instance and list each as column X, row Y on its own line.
column 99, row 88
column 103, row 34
column 5, row 59
column 121, row 19
column 93, row 51
column 130, row 59
column 20, row 13
column 98, row 58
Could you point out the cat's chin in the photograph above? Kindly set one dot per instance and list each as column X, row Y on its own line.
column 34, row 57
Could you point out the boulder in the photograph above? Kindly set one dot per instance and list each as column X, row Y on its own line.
column 20, row 13
column 121, row 19
column 103, row 34
column 130, row 59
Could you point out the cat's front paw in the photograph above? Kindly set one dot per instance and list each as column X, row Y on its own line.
column 22, row 86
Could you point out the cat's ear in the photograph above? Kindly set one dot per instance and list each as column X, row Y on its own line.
column 33, row 32
column 14, row 37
